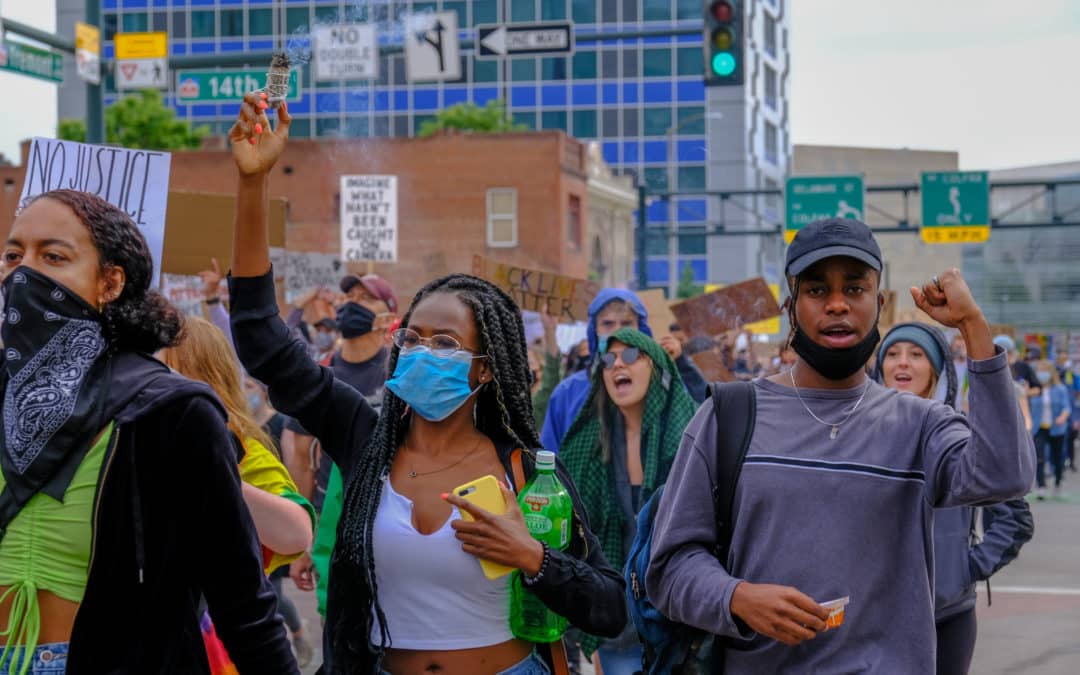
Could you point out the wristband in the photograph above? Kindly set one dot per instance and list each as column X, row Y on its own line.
column 212, row 301
column 532, row 581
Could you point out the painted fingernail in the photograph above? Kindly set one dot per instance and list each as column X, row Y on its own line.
column 258, row 128
column 262, row 94
column 251, row 140
column 444, row 495
column 262, row 105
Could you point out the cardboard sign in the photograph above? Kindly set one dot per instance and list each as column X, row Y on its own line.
column 532, row 290
column 660, row 316
column 198, row 227
column 727, row 308
column 369, row 219
column 712, row 367
column 184, row 292
column 136, row 181
column 305, row 271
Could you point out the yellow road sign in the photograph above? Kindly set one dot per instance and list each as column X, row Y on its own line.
column 141, row 45
column 87, row 37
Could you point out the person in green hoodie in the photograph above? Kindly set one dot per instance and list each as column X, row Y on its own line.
column 619, row 449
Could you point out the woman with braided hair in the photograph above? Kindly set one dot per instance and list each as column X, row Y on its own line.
column 407, row 593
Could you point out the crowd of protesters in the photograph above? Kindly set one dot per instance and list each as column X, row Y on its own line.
column 163, row 476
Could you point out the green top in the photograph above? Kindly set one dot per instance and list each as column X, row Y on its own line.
column 47, row 547
column 326, row 534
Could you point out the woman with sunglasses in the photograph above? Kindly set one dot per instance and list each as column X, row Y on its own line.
column 620, row 449
column 407, row 593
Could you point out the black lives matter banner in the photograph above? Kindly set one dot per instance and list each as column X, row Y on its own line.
column 369, row 215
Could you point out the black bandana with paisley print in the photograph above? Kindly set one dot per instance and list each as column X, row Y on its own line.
column 52, row 384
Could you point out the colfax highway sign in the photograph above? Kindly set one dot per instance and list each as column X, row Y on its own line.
column 540, row 38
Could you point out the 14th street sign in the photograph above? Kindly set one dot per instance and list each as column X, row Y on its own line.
column 541, row 38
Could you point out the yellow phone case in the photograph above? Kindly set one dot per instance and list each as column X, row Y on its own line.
column 485, row 493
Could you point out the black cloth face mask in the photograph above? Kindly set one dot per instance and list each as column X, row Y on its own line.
column 52, row 383
column 355, row 320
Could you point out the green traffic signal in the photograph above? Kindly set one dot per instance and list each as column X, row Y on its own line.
column 723, row 64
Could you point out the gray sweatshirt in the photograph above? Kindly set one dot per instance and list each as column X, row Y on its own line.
column 846, row 517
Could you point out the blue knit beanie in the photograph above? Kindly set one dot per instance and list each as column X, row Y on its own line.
column 920, row 337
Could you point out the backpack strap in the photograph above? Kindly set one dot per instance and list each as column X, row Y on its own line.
column 734, row 403
column 559, row 663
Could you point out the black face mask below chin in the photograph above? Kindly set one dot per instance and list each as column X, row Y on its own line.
column 835, row 364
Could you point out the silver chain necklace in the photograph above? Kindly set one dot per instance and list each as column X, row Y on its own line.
column 835, row 425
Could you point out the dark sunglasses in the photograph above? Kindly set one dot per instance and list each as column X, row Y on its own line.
column 629, row 355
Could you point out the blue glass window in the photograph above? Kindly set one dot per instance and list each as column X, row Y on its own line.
column 611, row 152
column 656, row 121
column 657, row 271
column 690, row 90
column 523, row 69
column 630, row 92
column 553, row 95
column 261, row 22
column 455, row 95
column 553, row 69
column 610, row 94
column 691, row 60
column 655, row 151
column 552, row 10
column 554, row 119
column 523, row 97
column 656, row 92
column 485, row 11
column 584, row 65
column 691, row 178
column 485, row 71
column 657, row 62
column 202, row 24
column 584, row 124
column 584, row 94
column 523, row 10
column 691, row 120
column 426, row 99
column 232, row 22
column 584, row 11
column 481, row 95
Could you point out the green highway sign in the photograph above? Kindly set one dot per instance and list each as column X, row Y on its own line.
column 810, row 198
column 226, row 86
column 955, row 207
column 33, row 61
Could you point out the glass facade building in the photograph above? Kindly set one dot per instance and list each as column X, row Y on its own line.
column 643, row 100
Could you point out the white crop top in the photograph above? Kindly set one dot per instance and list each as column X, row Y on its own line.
column 434, row 595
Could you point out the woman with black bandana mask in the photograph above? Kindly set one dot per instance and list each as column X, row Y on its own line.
column 118, row 475
column 836, row 495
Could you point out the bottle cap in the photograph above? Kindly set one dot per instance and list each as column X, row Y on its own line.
column 545, row 459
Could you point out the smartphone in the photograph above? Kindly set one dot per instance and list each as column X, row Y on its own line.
column 485, row 493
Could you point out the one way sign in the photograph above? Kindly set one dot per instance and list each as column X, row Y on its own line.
column 431, row 47
column 538, row 38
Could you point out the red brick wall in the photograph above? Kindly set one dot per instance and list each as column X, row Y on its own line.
column 442, row 196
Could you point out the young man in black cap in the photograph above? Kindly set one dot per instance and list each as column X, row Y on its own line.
column 835, row 498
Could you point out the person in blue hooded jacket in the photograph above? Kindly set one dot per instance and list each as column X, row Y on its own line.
column 970, row 544
column 612, row 309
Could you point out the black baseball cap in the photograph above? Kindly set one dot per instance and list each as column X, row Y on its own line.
column 832, row 237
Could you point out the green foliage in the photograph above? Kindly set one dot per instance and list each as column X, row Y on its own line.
column 493, row 118
column 71, row 130
column 142, row 120
column 687, row 288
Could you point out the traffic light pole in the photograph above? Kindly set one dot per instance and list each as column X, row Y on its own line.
column 95, row 101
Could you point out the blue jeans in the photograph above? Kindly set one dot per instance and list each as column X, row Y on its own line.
column 620, row 660
column 532, row 665
column 48, row 659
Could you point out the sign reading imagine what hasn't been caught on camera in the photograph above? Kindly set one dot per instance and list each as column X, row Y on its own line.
column 135, row 181
column 369, row 212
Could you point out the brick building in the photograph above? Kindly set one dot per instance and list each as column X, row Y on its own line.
column 521, row 198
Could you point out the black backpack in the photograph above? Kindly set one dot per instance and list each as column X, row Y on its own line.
column 672, row 647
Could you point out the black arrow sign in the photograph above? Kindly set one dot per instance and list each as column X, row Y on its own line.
column 437, row 42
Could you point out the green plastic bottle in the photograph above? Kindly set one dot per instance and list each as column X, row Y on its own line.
column 548, row 514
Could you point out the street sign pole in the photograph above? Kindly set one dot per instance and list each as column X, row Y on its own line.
column 95, row 102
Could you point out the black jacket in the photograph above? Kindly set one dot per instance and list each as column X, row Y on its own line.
column 170, row 525
column 579, row 583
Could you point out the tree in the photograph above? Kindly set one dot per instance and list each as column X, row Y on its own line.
column 142, row 121
column 493, row 118
column 687, row 288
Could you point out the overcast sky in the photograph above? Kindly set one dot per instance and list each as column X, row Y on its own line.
column 994, row 79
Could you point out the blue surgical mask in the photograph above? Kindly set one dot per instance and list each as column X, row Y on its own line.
column 434, row 386
column 255, row 402
column 1044, row 377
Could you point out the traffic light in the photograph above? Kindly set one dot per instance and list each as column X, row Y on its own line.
column 723, row 42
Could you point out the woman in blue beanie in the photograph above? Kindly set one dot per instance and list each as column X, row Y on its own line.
column 970, row 544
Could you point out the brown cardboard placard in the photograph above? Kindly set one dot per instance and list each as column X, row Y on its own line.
column 727, row 308
column 712, row 367
column 660, row 316
column 533, row 290
column 888, row 311
column 199, row 226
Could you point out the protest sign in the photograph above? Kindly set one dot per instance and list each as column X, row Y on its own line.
column 888, row 310
column 712, row 367
column 565, row 297
column 768, row 326
column 660, row 316
column 198, row 228
column 369, row 219
column 305, row 271
column 727, row 308
column 136, row 181
column 184, row 292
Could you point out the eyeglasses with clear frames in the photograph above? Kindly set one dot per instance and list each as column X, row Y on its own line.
column 440, row 345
